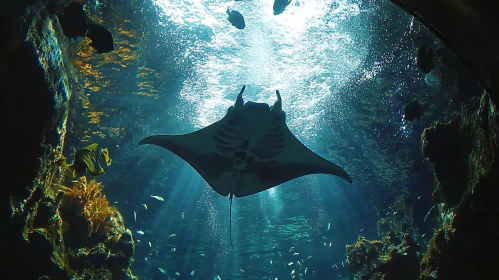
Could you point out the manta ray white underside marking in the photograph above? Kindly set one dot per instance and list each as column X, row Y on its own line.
column 249, row 150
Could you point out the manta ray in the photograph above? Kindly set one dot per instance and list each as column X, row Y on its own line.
column 249, row 150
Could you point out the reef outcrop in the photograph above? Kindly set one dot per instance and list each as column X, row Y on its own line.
column 389, row 258
column 464, row 154
column 466, row 245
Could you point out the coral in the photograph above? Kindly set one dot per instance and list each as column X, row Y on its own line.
column 364, row 255
column 70, row 232
column 386, row 259
column 96, row 239
column 87, row 201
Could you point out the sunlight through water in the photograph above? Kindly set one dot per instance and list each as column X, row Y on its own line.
column 303, row 53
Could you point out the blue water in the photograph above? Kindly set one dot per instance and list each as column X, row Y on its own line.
column 329, row 59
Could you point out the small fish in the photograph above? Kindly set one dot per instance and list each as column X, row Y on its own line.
column 172, row 235
column 158, row 197
column 75, row 23
column 335, row 266
column 140, row 232
column 177, row 273
column 411, row 25
column 280, row 6
column 290, row 263
column 242, row 270
column 173, row 249
column 293, row 272
column 424, row 59
column 145, row 206
column 87, row 160
column 325, row 244
column 202, row 255
column 270, row 262
column 298, row 263
column 306, row 269
column 145, row 259
column 236, row 19
column 217, row 277
column 161, row 270
column 309, row 257
column 342, row 264
column 296, row 254
column 102, row 39
column 150, row 245
column 330, row 244
column 134, row 216
column 328, row 226
column 291, row 249
column 192, row 273
column 182, row 215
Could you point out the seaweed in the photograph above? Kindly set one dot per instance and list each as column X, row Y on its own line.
column 87, row 201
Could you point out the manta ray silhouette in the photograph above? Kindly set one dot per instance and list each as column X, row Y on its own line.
column 249, row 150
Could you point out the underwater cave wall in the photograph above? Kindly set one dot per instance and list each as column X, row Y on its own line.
column 37, row 72
column 464, row 153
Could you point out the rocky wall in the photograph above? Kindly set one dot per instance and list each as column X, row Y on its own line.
column 40, row 241
column 466, row 246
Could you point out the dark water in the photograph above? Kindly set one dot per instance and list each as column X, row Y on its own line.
column 345, row 70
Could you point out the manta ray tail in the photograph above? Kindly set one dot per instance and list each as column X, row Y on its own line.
column 230, row 221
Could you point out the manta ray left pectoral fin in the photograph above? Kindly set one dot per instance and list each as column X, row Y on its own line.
column 196, row 148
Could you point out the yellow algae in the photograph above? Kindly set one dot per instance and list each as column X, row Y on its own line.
column 143, row 68
column 87, row 200
column 127, row 43
column 129, row 33
column 100, row 134
column 86, row 103
column 115, row 131
column 145, row 84
column 124, row 50
column 148, row 94
column 95, row 116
